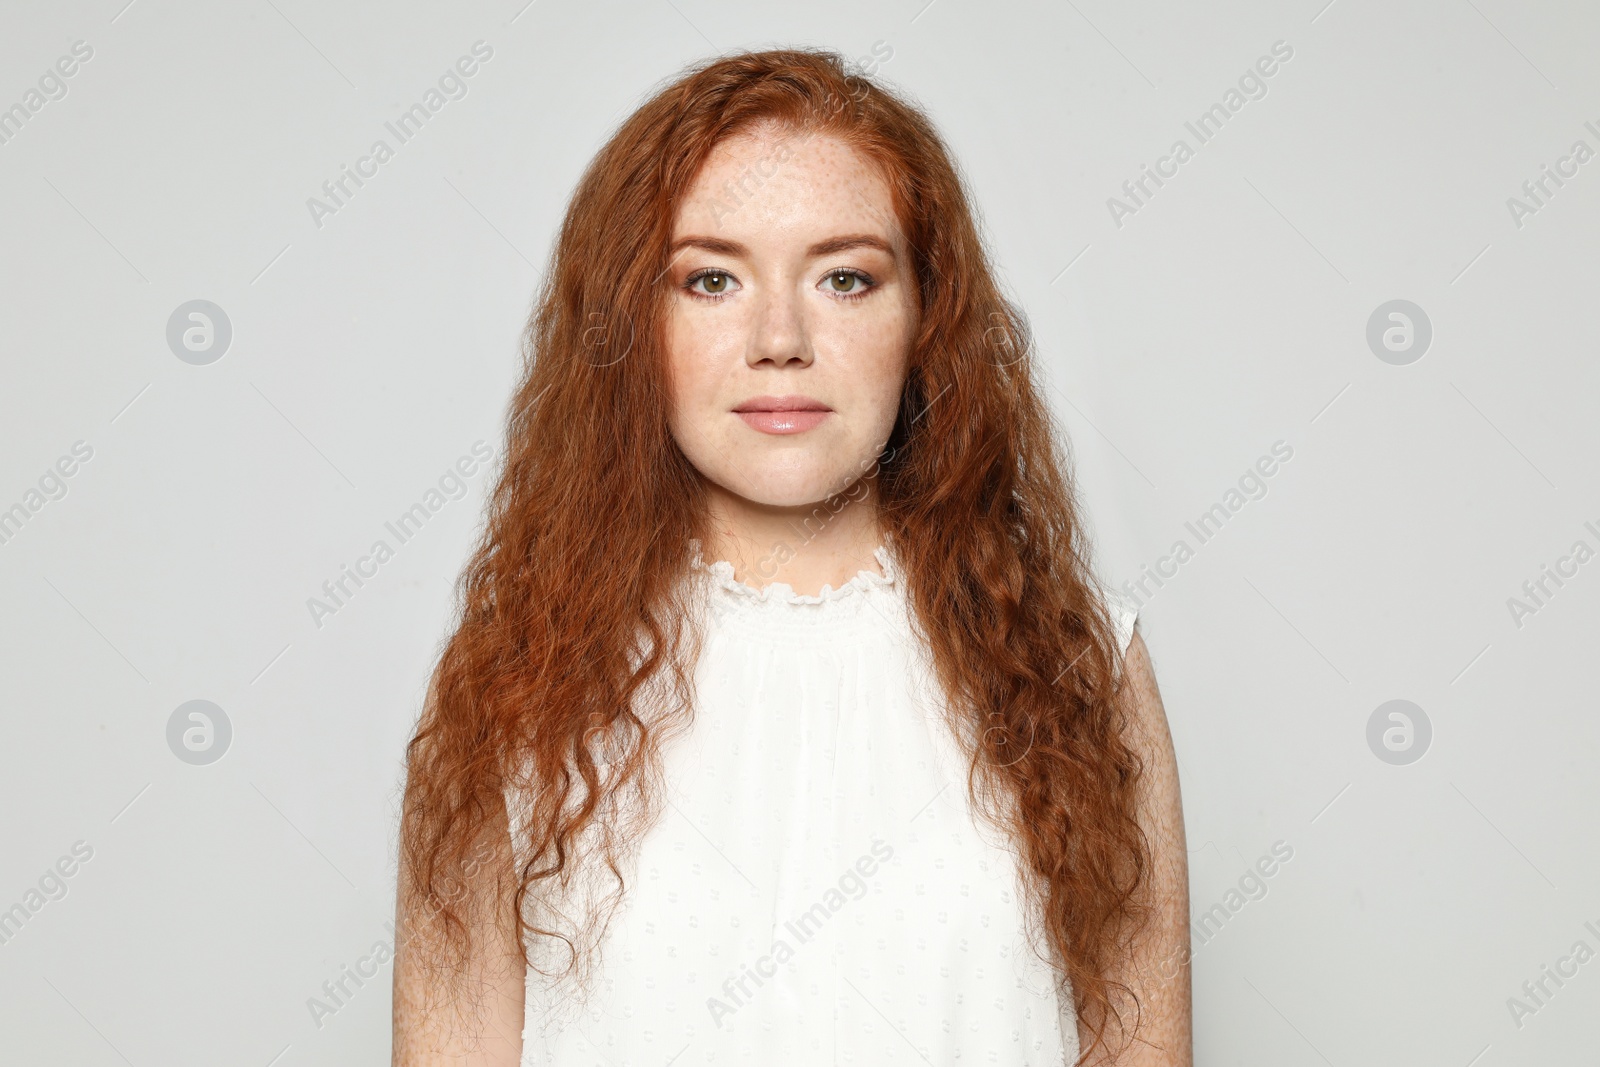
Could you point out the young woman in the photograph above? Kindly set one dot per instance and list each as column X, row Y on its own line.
column 783, row 722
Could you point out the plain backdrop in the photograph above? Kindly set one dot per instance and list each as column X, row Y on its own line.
column 1182, row 336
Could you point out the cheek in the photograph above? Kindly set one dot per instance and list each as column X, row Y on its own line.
column 878, row 358
column 702, row 352
column 688, row 367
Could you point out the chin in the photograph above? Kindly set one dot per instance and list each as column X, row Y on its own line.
column 789, row 488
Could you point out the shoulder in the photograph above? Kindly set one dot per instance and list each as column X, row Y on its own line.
column 1125, row 614
column 1136, row 682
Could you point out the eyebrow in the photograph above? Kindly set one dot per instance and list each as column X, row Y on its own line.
column 831, row 246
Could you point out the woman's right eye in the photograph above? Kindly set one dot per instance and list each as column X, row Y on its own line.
column 715, row 283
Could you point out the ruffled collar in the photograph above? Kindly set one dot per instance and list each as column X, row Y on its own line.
column 782, row 593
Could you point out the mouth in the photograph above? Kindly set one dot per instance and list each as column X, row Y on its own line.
column 782, row 414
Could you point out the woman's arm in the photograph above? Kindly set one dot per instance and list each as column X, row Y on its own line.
column 474, row 1020
column 1158, row 973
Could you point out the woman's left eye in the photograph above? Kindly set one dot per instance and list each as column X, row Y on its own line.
column 847, row 282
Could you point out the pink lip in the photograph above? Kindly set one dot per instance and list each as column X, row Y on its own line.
column 782, row 414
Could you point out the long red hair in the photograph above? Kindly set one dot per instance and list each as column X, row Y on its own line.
column 571, row 607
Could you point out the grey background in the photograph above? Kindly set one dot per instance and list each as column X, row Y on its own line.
column 1230, row 312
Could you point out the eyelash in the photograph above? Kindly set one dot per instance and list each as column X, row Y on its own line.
column 707, row 272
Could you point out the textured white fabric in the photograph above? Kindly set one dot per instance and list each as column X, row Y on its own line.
column 818, row 890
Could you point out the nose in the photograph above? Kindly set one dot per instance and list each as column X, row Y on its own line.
column 780, row 337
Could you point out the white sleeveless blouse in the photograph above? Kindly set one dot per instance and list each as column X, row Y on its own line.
column 816, row 888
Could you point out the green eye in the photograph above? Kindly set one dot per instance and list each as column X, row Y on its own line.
column 843, row 282
column 714, row 283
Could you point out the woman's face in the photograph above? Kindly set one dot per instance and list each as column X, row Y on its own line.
column 791, row 319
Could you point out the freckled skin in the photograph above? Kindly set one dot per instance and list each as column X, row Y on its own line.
column 1159, row 971
column 780, row 319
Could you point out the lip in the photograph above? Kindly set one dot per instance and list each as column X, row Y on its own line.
column 782, row 414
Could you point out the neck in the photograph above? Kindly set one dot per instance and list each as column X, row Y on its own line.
column 806, row 546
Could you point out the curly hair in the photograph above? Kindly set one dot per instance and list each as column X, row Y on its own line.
column 539, row 688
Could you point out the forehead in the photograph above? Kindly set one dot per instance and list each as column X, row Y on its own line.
column 774, row 184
